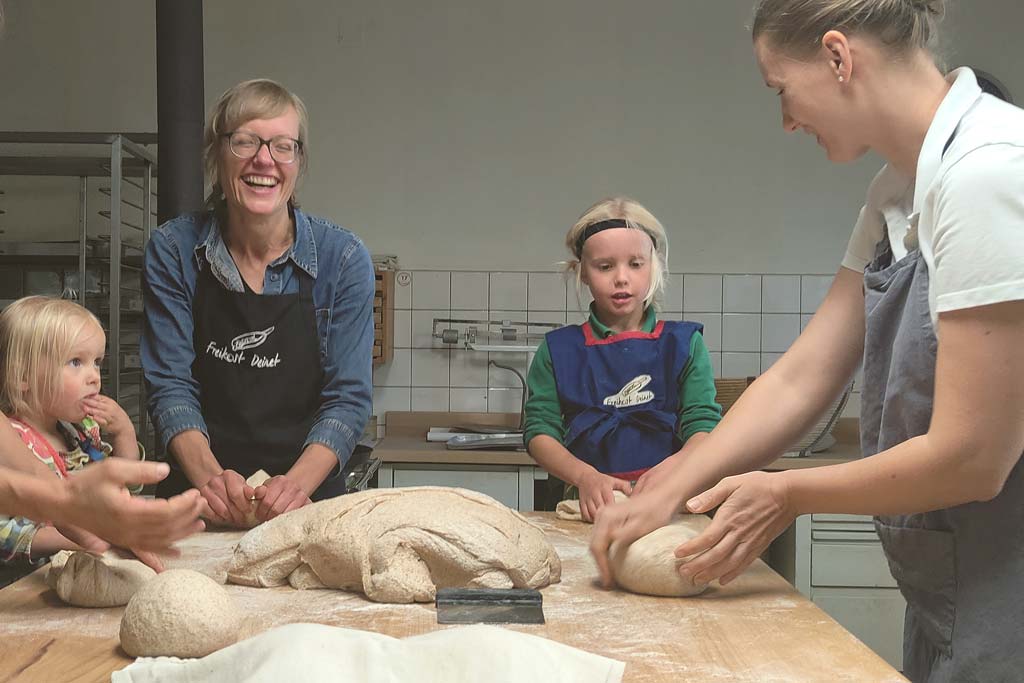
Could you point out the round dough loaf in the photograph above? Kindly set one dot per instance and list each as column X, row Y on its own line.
column 180, row 613
column 649, row 565
column 86, row 580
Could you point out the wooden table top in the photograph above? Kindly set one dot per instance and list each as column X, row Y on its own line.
column 759, row 628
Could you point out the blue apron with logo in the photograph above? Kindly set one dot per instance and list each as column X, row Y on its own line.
column 620, row 395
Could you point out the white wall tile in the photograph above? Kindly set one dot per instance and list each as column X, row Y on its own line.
column 422, row 329
column 468, row 400
column 391, row 398
column 468, row 368
column 672, row 298
column 430, row 367
column 741, row 364
column 544, row 317
column 403, row 289
column 577, row 299
column 780, row 294
column 426, row 399
column 741, row 332
column 501, row 378
column 712, row 323
column 779, row 331
column 397, row 372
column 546, row 292
column 742, row 294
column 702, row 293
column 768, row 360
column 813, row 289
column 504, row 400
column 508, row 291
column 403, row 329
column 469, row 291
column 431, row 289
column 716, row 363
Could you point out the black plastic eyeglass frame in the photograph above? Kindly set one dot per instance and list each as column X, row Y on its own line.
column 298, row 146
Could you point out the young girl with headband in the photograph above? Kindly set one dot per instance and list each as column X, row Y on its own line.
column 624, row 392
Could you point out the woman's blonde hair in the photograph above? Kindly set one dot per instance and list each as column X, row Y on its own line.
column 798, row 26
column 636, row 217
column 36, row 336
column 260, row 98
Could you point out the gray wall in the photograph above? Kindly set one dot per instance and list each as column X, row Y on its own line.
column 466, row 134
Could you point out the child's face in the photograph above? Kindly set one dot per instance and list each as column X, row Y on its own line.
column 80, row 374
column 617, row 268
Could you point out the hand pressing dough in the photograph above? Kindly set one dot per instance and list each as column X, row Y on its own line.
column 398, row 545
column 180, row 613
column 257, row 479
column 570, row 509
column 86, row 580
column 649, row 565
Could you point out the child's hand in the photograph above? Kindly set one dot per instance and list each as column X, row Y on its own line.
column 596, row 492
column 109, row 415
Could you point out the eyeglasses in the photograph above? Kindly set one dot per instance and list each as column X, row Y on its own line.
column 283, row 149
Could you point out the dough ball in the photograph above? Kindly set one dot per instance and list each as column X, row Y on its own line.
column 180, row 613
column 86, row 580
column 649, row 565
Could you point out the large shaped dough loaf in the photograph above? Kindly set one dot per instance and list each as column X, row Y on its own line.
column 398, row 545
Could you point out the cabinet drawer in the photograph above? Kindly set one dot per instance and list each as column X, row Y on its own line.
column 874, row 616
column 850, row 565
column 819, row 517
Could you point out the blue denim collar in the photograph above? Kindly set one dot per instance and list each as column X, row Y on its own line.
column 212, row 249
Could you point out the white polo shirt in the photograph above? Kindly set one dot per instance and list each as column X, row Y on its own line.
column 965, row 208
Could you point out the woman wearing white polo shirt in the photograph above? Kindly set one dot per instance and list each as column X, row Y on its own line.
column 931, row 296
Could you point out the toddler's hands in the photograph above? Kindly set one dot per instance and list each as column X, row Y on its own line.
column 109, row 415
column 596, row 492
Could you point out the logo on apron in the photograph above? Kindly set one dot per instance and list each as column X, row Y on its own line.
column 243, row 342
column 631, row 394
column 250, row 340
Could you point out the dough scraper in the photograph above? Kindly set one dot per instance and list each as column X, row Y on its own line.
column 489, row 606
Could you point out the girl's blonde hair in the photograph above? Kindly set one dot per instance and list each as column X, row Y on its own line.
column 797, row 26
column 636, row 217
column 259, row 98
column 36, row 336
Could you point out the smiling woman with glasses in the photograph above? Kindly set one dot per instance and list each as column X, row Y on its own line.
column 259, row 323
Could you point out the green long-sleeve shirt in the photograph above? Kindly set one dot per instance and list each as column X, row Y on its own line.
column 698, row 411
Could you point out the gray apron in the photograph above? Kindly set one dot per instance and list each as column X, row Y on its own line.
column 961, row 569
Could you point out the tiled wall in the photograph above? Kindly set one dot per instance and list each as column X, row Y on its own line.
column 749, row 320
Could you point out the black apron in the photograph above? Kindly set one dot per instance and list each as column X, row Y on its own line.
column 260, row 380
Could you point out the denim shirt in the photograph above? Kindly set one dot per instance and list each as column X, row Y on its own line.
column 343, row 291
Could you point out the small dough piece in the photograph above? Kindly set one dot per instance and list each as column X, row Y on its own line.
column 570, row 509
column 649, row 565
column 180, row 613
column 257, row 479
column 86, row 580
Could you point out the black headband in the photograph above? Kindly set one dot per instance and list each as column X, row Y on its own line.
column 595, row 228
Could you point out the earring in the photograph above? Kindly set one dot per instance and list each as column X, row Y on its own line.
column 841, row 79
